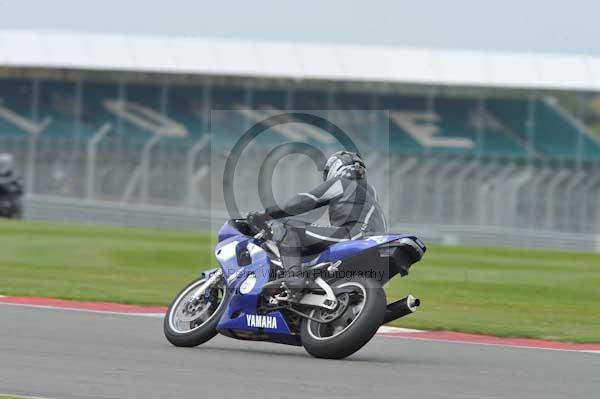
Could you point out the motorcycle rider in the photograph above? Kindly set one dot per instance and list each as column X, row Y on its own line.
column 11, row 187
column 353, row 208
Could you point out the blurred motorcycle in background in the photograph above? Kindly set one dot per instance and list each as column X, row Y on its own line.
column 11, row 189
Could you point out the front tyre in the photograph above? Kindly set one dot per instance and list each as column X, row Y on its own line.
column 362, row 314
column 190, row 322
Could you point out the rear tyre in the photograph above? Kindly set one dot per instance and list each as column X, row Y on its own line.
column 189, row 322
column 361, row 316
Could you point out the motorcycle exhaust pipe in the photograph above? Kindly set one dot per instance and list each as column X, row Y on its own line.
column 401, row 308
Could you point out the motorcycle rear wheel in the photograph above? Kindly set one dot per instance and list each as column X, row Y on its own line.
column 358, row 323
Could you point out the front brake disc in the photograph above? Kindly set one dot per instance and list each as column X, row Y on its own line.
column 192, row 312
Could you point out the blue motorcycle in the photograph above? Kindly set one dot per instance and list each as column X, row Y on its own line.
column 332, row 307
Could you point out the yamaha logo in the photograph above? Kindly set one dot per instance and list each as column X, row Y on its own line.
column 259, row 321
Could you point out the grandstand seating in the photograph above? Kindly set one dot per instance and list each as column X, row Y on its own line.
column 441, row 125
column 552, row 131
column 15, row 99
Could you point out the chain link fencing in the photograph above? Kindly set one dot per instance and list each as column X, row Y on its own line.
column 446, row 198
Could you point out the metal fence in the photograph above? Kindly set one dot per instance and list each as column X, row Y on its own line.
column 453, row 199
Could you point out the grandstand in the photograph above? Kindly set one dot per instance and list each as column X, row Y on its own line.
column 482, row 139
column 468, row 126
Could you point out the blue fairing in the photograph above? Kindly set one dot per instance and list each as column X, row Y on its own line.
column 345, row 249
column 241, row 318
column 227, row 231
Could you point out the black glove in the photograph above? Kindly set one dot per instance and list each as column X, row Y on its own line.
column 257, row 220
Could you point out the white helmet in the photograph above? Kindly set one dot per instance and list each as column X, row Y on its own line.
column 7, row 165
column 344, row 164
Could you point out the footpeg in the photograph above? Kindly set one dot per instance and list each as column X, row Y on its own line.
column 287, row 283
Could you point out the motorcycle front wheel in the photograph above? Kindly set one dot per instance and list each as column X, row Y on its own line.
column 360, row 312
column 192, row 321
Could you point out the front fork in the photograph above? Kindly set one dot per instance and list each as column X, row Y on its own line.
column 216, row 276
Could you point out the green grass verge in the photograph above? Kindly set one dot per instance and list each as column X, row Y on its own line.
column 503, row 292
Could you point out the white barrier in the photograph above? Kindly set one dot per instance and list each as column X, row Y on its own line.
column 52, row 208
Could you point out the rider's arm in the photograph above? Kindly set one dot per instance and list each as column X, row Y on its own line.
column 304, row 202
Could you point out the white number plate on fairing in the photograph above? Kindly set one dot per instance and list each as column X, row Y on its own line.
column 226, row 252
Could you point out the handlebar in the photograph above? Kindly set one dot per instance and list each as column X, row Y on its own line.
column 260, row 230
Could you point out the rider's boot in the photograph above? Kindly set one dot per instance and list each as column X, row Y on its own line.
column 291, row 279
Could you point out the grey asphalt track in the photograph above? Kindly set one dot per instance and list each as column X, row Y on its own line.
column 66, row 354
